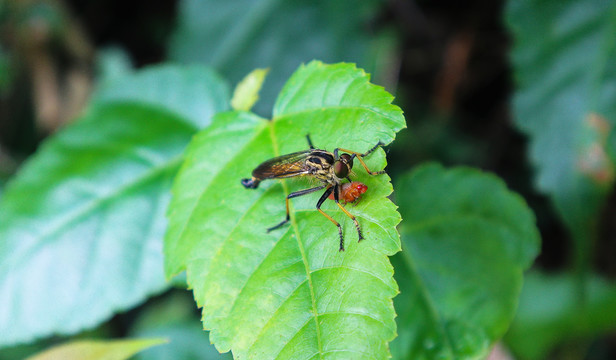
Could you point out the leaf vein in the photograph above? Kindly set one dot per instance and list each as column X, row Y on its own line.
column 353, row 313
column 256, row 268
column 391, row 118
column 320, row 352
column 276, row 311
column 97, row 202
column 358, row 270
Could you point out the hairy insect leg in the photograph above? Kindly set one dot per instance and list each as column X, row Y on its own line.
column 320, row 202
column 336, row 198
column 309, row 141
column 290, row 196
column 360, row 157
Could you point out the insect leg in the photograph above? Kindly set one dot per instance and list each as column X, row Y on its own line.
column 321, row 200
column 292, row 195
column 349, row 215
column 309, row 141
column 373, row 148
column 359, row 157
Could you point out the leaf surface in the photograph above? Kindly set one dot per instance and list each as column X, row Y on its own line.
column 467, row 240
column 290, row 293
column 194, row 93
column 82, row 222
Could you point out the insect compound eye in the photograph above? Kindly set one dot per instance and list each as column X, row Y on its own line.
column 341, row 169
column 347, row 159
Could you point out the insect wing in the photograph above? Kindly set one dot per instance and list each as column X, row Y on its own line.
column 288, row 165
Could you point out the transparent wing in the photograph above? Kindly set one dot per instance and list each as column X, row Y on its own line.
column 288, row 165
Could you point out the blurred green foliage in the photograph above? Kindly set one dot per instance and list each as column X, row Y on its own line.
column 550, row 313
column 235, row 37
column 5, row 73
column 173, row 318
column 461, row 269
column 97, row 349
column 566, row 103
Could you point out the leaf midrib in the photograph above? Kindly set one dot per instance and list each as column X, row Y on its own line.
column 97, row 202
column 300, row 245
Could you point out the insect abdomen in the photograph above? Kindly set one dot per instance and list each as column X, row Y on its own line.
column 251, row 183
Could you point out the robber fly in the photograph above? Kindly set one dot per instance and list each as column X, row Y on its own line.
column 329, row 168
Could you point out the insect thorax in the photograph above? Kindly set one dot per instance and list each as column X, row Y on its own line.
column 320, row 166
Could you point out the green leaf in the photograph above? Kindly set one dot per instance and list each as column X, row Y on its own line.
column 246, row 93
column 550, row 314
column 289, row 293
column 82, row 223
column 194, row 93
column 237, row 37
column 97, row 350
column 467, row 240
column 564, row 57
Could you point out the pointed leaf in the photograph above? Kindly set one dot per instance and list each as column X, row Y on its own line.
column 97, row 349
column 290, row 293
column 467, row 240
column 82, row 222
column 246, row 92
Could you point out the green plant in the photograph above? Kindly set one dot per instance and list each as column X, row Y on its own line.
column 82, row 218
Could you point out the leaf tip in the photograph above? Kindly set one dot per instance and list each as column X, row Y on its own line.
column 246, row 92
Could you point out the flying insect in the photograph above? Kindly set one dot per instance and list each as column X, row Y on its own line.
column 328, row 168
